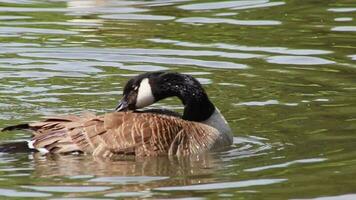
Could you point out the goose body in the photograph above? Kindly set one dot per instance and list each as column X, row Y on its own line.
column 147, row 133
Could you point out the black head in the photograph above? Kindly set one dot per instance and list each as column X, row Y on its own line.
column 137, row 93
column 146, row 89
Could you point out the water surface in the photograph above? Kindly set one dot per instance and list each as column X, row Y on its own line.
column 282, row 73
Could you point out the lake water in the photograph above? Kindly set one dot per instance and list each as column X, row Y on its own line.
column 282, row 72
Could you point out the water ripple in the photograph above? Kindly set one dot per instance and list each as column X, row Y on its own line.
column 283, row 165
column 298, row 60
column 206, row 20
column 343, row 19
column 15, row 193
column 259, row 103
column 74, row 10
column 279, row 50
column 224, row 185
column 136, row 17
column 220, row 5
column 344, row 28
column 136, row 58
column 264, row 5
column 127, row 179
column 338, row 197
column 129, row 51
column 142, row 194
column 353, row 57
column 39, row 75
column 4, row 17
column 16, row 30
column 68, row 188
column 342, row 10
column 244, row 147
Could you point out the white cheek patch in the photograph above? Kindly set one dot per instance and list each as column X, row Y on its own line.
column 41, row 150
column 144, row 95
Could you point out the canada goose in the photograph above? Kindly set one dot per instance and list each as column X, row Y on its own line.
column 201, row 128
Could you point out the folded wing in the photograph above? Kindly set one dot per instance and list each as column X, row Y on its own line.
column 121, row 134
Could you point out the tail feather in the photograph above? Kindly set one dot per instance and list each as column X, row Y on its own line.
column 16, row 127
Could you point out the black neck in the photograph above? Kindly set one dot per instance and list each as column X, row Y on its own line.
column 197, row 106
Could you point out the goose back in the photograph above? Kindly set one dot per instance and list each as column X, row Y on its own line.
column 125, row 133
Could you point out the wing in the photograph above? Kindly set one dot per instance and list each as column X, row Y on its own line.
column 123, row 133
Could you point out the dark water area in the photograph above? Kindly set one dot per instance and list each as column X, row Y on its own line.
column 283, row 73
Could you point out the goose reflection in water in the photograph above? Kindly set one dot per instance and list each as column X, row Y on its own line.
column 155, row 169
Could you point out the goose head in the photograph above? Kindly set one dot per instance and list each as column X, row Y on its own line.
column 137, row 94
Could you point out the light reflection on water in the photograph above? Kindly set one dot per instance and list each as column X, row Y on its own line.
column 282, row 72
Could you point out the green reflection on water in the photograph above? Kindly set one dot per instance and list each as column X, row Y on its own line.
column 281, row 72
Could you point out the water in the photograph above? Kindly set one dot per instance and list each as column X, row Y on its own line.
column 282, row 73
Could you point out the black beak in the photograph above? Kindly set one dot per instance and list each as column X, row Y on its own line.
column 122, row 106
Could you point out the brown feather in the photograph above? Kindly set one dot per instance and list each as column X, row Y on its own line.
column 125, row 133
